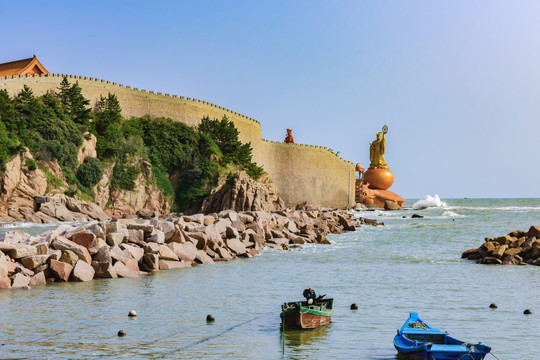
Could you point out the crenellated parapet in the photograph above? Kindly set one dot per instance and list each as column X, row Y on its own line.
column 301, row 172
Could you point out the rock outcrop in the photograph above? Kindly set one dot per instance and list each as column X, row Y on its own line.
column 516, row 248
column 242, row 193
column 126, row 248
column 22, row 183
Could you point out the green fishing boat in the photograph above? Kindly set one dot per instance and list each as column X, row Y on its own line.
column 309, row 314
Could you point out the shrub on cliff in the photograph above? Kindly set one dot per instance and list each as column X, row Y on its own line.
column 90, row 172
column 42, row 125
column 225, row 135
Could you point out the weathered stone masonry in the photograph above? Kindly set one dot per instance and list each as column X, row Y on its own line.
column 301, row 172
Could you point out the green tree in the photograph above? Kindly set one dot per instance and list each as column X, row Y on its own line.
column 63, row 94
column 78, row 105
column 225, row 135
column 90, row 172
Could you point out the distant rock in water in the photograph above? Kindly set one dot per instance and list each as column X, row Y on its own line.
column 243, row 193
column 515, row 248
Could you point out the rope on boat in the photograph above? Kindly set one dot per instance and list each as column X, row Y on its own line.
column 203, row 339
column 492, row 354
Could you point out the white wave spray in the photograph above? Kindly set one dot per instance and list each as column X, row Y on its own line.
column 429, row 202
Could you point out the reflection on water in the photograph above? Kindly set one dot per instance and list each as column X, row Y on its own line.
column 298, row 338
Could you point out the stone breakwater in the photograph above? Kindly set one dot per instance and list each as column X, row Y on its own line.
column 129, row 248
column 516, row 248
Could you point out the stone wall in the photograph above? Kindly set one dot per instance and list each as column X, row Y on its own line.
column 308, row 173
column 135, row 102
column 301, row 172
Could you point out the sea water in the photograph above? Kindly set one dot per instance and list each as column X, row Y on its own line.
column 407, row 265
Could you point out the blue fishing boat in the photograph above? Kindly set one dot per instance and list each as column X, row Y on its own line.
column 416, row 340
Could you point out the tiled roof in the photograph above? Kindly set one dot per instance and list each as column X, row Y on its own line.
column 22, row 67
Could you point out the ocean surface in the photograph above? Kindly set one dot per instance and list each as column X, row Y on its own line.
column 407, row 265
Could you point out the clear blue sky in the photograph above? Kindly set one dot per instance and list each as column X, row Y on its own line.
column 457, row 82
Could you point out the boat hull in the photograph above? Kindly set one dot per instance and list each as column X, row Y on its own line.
column 417, row 340
column 300, row 315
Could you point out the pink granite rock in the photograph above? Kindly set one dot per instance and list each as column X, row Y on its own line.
column 170, row 264
column 61, row 270
column 82, row 271
column 38, row 279
column 20, row 281
column 123, row 271
column 185, row 252
column 104, row 270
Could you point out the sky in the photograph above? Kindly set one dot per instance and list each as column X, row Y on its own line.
column 457, row 82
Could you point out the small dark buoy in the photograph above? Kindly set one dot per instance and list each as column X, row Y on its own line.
column 210, row 318
column 132, row 313
column 404, row 217
column 416, row 216
column 121, row 333
column 527, row 312
column 354, row 307
column 493, row 306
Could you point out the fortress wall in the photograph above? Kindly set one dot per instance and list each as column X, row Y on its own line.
column 308, row 173
column 135, row 102
column 301, row 172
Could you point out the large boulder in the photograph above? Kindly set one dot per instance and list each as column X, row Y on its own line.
column 171, row 264
column 82, row 271
column 5, row 283
column 20, row 281
column 32, row 262
column 17, row 251
column 534, row 231
column 103, row 255
column 150, row 262
column 61, row 269
column 104, row 269
column 123, row 271
column 236, row 246
column 87, row 239
column 186, row 252
column 135, row 252
column 165, row 253
column 203, row 258
column 61, row 243
column 14, row 237
column 38, row 279
column 3, row 265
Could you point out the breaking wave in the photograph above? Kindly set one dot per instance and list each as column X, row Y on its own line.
column 429, row 202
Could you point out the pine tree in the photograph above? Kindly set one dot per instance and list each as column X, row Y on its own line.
column 108, row 112
column 64, row 92
column 77, row 109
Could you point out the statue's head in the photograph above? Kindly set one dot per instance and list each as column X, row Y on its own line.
column 379, row 135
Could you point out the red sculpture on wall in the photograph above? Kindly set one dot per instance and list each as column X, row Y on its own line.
column 289, row 139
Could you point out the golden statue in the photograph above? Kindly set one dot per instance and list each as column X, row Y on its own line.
column 377, row 149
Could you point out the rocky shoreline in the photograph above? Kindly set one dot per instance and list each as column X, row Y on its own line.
column 516, row 248
column 130, row 248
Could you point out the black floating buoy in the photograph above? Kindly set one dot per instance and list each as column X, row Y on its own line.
column 493, row 306
column 132, row 313
column 210, row 318
column 354, row 307
column 416, row 216
column 121, row 333
column 527, row 312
